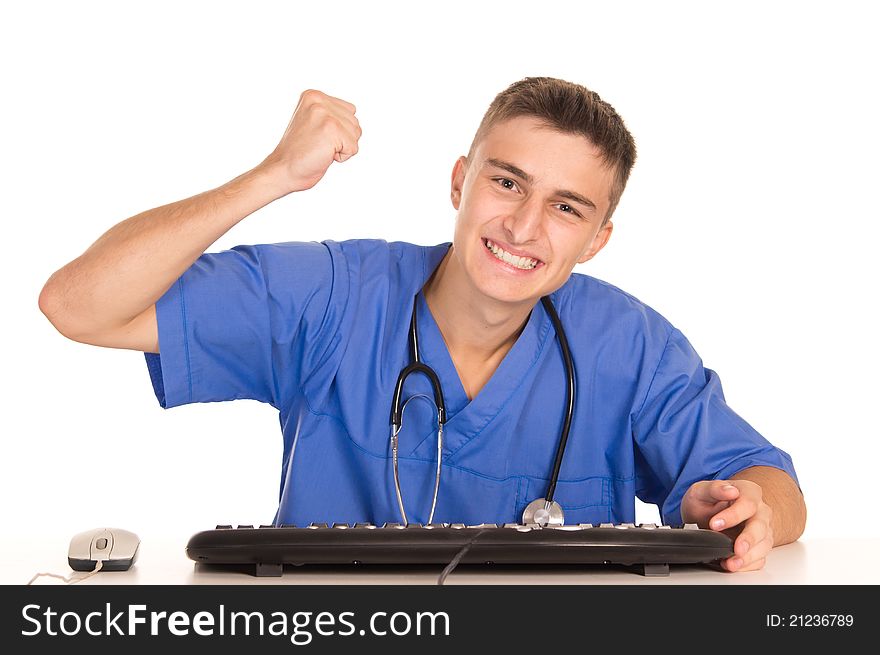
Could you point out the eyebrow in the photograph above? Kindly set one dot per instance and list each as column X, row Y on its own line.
column 520, row 173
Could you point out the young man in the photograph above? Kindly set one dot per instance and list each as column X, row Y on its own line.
column 321, row 331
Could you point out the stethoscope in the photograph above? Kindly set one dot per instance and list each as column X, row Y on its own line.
column 541, row 511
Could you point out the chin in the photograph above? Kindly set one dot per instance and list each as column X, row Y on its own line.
column 508, row 294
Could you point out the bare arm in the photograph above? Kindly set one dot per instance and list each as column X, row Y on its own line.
column 107, row 295
column 784, row 497
column 110, row 286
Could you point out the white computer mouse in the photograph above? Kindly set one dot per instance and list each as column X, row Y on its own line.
column 116, row 549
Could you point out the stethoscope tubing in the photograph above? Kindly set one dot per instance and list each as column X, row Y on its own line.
column 569, row 409
column 416, row 365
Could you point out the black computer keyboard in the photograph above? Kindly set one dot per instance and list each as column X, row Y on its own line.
column 651, row 547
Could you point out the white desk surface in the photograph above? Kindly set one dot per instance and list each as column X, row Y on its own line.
column 162, row 561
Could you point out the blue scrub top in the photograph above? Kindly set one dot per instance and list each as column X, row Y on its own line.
column 320, row 331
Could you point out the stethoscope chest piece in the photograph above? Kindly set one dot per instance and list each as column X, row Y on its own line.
column 543, row 513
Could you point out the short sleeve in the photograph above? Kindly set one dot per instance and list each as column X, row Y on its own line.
column 243, row 323
column 686, row 432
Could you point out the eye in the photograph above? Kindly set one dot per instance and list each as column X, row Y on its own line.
column 504, row 182
column 568, row 209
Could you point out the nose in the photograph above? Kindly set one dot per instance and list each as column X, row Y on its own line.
column 523, row 223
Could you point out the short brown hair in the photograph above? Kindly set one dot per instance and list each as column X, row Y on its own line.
column 569, row 108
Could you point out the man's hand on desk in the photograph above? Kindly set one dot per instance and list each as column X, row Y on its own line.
column 736, row 507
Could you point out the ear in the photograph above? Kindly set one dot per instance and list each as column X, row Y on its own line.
column 458, row 174
column 598, row 242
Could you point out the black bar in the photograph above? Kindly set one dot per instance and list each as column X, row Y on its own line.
column 631, row 618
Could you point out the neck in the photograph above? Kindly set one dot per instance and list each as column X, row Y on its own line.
column 474, row 326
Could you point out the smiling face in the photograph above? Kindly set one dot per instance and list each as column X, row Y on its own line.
column 530, row 203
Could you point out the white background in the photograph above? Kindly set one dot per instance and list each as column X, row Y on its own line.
column 750, row 220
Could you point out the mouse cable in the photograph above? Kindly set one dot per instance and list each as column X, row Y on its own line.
column 457, row 558
column 69, row 579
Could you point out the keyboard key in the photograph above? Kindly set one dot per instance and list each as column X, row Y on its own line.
column 224, row 527
column 245, row 527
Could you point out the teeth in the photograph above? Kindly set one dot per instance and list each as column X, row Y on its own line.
column 525, row 263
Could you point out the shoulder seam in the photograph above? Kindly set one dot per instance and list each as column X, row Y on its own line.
column 654, row 376
column 332, row 284
column 303, row 382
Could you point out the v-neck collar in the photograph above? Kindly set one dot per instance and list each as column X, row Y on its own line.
column 467, row 418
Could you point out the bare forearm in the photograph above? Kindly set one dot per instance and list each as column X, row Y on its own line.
column 129, row 268
column 106, row 296
column 784, row 497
